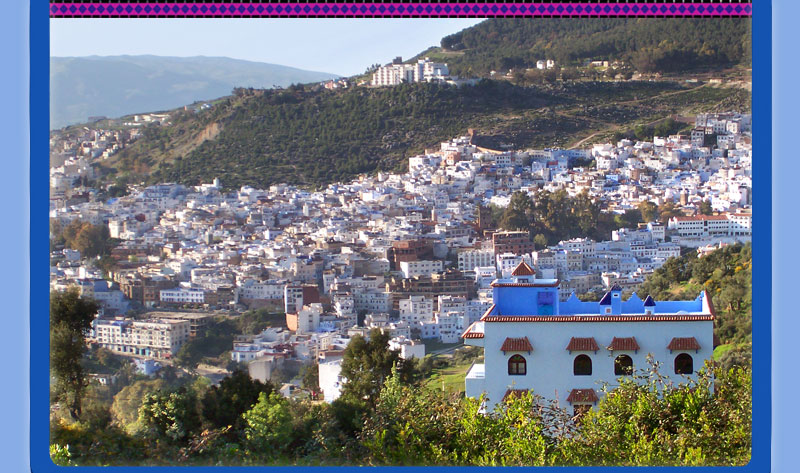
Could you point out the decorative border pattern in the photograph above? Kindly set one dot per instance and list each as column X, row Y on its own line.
column 378, row 10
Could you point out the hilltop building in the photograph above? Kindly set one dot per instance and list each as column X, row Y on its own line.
column 565, row 350
column 424, row 70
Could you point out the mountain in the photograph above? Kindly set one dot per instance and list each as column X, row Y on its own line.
column 310, row 136
column 113, row 86
column 649, row 44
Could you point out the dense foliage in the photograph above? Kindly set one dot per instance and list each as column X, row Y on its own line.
column 309, row 136
column 554, row 216
column 650, row 44
column 726, row 274
column 91, row 240
column 366, row 365
column 70, row 318
column 643, row 421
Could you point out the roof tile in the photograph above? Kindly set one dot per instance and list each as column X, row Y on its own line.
column 685, row 343
column 582, row 395
column 628, row 343
column 523, row 269
column 582, row 344
column 516, row 344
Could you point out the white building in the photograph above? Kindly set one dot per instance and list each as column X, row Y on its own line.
column 416, row 309
column 330, row 379
column 156, row 338
column 565, row 350
column 408, row 348
column 421, row 268
column 469, row 259
column 182, row 296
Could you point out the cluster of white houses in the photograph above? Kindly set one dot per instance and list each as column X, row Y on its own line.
column 565, row 350
column 396, row 73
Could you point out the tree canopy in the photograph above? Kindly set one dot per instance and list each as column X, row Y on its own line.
column 70, row 318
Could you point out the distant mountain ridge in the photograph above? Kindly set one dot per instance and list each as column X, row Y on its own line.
column 114, row 86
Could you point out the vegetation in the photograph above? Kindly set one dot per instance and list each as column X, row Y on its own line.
column 366, row 365
column 644, row 421
column 311, row 136
column 555, row 216
column 649, row 44
column 90, row 240
column 70, row 317
column 726, row 275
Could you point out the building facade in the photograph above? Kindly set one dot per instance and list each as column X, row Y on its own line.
column 566, row 350
column 158, row 338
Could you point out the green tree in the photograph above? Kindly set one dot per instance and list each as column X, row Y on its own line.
column 705, row 208
column 517, row 214
column 268, row 425
column 649, row 211
column 366, row 365
column 190, row 354
column 666, row 211
column 310, row 376
column 70, row 318
column 126, row 403
column 169, row 415
column 223, row 405
column 540, row 241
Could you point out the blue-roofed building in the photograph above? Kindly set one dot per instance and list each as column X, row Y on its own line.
column 566, row 350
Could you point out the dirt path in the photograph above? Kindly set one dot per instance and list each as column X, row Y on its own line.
column 613, row 127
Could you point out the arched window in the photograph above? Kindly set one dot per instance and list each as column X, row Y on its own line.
column 582, row 366
column 684, row 364
column 623, row 366
column 517, row 365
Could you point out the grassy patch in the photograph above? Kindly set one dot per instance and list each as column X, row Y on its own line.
column 450, row 379
column 432, row 345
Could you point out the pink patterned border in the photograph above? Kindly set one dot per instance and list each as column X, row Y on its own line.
column 554, row 9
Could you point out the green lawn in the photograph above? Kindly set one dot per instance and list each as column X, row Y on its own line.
column 433, row 344
column 451, row 379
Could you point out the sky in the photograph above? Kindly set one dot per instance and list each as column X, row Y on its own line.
column 343, row 46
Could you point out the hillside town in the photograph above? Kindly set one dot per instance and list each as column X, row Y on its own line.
column 414, row 254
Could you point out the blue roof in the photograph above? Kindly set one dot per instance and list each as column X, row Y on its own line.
column 649, row 302
column 606, row 300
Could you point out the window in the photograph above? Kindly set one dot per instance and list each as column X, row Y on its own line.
column 582, row 366
column 684, row 364
column 623, row 366
column 517, row 365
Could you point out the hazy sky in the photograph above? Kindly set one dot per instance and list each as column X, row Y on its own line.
column 343, row 46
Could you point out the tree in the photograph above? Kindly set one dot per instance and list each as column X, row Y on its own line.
column 169, row 415
column 367, row 364
column 666, row 211
column 190, row 355
column 705, row 208
column 517, row 214
column 223, row 405
column 649, row 211
column 70, row 318
column 310, row 376
column 268, row 424
column 126, row 404
column 540, row 241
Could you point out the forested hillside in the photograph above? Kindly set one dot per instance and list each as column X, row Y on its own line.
column 649, row 44
column 312, row 136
